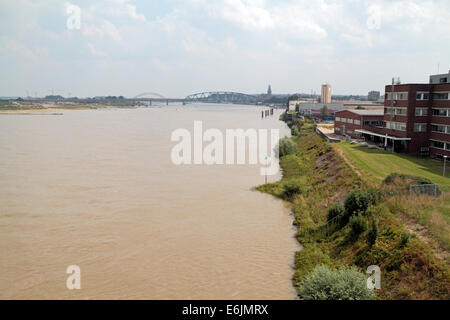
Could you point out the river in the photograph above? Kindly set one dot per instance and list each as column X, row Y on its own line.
column 98, row 189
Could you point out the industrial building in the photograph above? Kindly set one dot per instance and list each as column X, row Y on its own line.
column 415, row 120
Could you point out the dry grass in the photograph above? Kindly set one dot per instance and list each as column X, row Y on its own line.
column 430, row 212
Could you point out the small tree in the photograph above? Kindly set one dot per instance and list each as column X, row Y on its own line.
column 325, row 111
column 372, row 235
column 357, row 225
column 357, row 201
column 335, row 211
column 286, row 147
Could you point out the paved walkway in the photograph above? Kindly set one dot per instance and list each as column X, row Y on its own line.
column 328, row 133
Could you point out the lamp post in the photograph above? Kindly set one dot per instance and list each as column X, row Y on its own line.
column 445, row 160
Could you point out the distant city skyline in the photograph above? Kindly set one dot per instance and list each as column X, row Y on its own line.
column 177, row 48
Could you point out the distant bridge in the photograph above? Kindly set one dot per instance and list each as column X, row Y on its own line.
column 149, row 95
column 222, row 97
column 203, row 97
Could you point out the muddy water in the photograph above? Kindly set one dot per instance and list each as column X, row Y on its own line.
column 98, row 189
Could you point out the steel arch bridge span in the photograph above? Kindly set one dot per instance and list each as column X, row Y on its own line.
column 222, row 97
column 150, row 95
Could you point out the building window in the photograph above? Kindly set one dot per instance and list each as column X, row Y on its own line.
column 349, row 120
column 421, row 112
column 357, row 122
column 422, row 96
column 397, row 96
column 441, row 96
column 438, row 144
column 438, row 128
column 440, row 112
column 400, row 111
column 420, row 127
column 338, row 119
column 400, row 126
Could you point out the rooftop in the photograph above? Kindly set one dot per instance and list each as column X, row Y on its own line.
column 366, row 112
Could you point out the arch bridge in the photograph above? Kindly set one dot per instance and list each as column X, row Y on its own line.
column 221, row 97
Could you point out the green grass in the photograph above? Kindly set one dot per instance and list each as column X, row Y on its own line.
column 375, row 165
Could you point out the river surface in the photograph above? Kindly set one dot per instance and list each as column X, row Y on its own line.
column 98, row 189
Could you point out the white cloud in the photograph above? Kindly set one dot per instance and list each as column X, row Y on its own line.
column 105, row 28
column 255, row 15
column 126, row 10
column 96, row 52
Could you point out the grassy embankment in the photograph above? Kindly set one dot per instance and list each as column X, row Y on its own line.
column 429, row 217
column 413, row 266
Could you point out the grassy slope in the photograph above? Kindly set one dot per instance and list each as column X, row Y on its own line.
column 408, row 272
column 375, row 165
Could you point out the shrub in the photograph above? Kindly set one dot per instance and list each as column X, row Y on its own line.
column 357, row 201
column 295, row 131
column 345, row 283
column 372, row 235
column 290, row 188
column 307, row 259
column 404, row 238
column 335, row 211
column 405, row 179
column 357, row 225
column 286, row 147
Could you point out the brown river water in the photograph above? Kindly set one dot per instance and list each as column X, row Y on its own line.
column 98, row 189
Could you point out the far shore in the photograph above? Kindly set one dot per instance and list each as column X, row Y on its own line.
column 46, row 109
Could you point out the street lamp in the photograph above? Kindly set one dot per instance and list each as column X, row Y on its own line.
column 445, row 160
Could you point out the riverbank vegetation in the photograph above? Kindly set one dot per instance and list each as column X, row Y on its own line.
column 345, row 220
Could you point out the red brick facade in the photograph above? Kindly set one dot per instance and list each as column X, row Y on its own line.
column 347, row 121
column 419, row 112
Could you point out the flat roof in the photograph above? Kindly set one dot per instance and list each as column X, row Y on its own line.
column 382, row 135
column 363, row 112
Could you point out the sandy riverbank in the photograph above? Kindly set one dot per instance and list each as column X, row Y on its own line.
column 37, row 110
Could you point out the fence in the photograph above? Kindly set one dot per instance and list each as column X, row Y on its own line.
column 429, row 189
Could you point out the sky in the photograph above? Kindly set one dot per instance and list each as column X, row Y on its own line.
column 180, row 47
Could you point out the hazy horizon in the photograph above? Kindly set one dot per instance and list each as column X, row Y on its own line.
column 176, row 48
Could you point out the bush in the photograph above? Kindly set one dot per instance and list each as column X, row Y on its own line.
column 357, row 225
column 372, row 235
column 357, row 201
column 290, row 188
column 405, row 179
column 335, row 211
column 286, row 147
column 404, row 239
column 307, row 259
column 295, row 131
column 330, row 284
